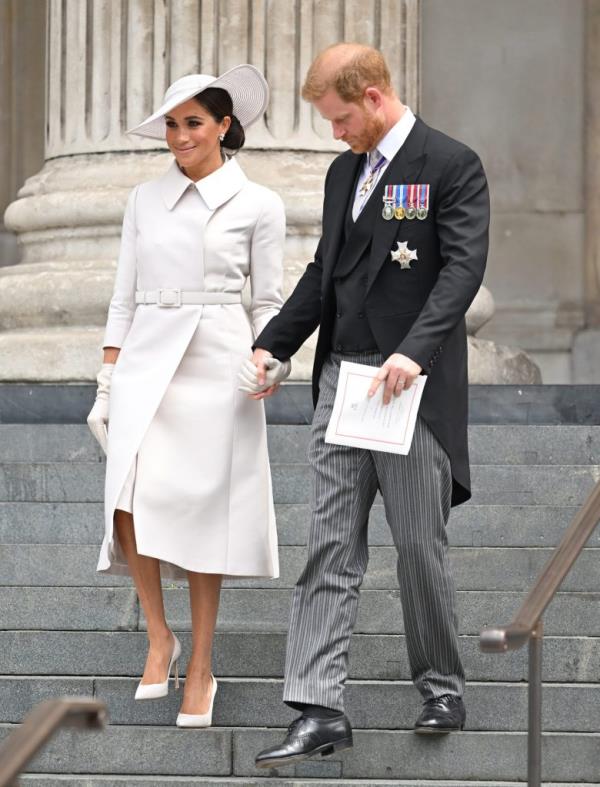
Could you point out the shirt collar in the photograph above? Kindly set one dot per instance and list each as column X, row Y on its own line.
column 396, row 136
column 215, row 189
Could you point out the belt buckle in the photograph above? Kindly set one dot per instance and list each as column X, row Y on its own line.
column 169, row 298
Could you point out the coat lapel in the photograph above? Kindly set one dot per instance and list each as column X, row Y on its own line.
column 340, row 191
column 405, row 167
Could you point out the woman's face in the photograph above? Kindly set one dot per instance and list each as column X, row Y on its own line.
column 193, row 135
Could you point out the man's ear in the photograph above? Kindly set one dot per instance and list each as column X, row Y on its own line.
column 373, row 97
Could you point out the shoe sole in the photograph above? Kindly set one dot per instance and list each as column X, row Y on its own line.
column 438, row 730
column 325, row 750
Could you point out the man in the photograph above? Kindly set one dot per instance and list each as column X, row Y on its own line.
column 401, row 256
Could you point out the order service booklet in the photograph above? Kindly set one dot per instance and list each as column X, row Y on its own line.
column 364, row 422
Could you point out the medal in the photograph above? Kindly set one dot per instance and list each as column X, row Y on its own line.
column 388, row 203
column 423, row 201
column 411, row 211
column 404, row 255
column 399, row 211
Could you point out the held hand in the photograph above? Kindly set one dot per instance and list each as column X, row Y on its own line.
column 398, row 373
column 274, row 371
column 97, row 420
column 259, row 359
column 266, row 393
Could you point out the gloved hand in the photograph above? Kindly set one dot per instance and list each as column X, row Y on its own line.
column 276, row 372
column 98, row 418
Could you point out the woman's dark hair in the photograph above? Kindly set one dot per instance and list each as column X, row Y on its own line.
column 218, row 103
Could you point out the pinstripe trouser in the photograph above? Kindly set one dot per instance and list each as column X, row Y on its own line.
column 416, row 491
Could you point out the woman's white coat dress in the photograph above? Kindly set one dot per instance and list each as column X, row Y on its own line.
column 191, row 446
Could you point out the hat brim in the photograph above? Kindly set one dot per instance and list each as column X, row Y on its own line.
column 245, row 84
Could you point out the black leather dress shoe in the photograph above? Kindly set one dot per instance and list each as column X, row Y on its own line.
column 441, row 715
column 307, row 736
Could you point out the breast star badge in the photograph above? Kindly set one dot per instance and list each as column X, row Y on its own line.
column 403, row 254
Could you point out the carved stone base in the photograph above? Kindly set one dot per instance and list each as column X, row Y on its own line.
column 497, row 364
column 68, row 218
column 53, row 305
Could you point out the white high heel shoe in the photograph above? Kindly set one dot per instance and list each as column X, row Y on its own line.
column 153, row 691
column 199, row 719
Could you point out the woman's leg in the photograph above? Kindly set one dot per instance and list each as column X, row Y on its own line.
column 146, row 576
column 205, row 590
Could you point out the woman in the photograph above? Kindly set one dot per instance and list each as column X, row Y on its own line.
column 188, row 487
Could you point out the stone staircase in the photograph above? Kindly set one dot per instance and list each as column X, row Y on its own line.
column 67, row 631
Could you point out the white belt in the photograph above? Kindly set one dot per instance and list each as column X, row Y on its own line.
column 172, row 298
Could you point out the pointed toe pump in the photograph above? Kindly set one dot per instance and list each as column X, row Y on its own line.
column 153, row 691
column 199, row 719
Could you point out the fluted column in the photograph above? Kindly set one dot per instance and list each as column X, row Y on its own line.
column 109, row 63
column 22, row 55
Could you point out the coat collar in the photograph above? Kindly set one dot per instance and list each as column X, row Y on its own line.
column 215, row 189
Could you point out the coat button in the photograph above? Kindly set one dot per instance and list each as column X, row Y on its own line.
column 338, row 315
column 339, row 348
column 361, row 314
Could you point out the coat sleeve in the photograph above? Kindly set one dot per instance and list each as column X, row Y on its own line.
column 300, row 315
column 266, row 263
column 462, row 219
column 122, row 304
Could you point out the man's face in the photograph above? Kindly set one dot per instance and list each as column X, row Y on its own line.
column 359, row 125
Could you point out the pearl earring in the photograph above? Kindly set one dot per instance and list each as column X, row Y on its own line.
column 221, row 137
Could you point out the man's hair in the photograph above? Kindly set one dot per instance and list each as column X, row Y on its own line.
column 348, row 69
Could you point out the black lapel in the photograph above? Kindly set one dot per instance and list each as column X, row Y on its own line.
column 339, row 191
column 405, row 167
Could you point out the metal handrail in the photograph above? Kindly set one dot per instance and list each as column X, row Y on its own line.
column 39, row 725
column 527, row 625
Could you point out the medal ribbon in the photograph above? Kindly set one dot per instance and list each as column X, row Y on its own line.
column 411, row 195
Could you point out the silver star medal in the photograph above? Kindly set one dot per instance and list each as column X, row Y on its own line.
column 403, row 254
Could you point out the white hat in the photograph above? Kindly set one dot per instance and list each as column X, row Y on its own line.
column 245, row 84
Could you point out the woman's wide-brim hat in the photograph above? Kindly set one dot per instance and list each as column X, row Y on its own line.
column 245, row 84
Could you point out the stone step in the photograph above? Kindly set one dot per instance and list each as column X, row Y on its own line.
column 491, row 484
column 504, row 444
column 470, row 525
column 474, row 568
column 90, row 780
column 390, row 755
column 559, row 485
column 387, row 705
column 117, row 609
column 262, row 655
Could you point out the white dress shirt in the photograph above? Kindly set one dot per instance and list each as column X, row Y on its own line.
column 387, row 147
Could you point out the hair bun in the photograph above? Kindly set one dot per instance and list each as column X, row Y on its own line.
column 235, row 137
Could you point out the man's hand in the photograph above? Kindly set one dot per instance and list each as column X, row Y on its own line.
column 398, row 373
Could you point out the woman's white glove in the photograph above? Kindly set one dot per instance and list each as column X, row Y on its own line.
column 276, row 372
column 98, row 418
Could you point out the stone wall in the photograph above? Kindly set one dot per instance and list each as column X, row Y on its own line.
column 508, row 78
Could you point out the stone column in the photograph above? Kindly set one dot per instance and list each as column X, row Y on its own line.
column 109, row 62
column 22, row 51
column 586, row 347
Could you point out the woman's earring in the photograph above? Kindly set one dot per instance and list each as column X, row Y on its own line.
column 221, row 137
